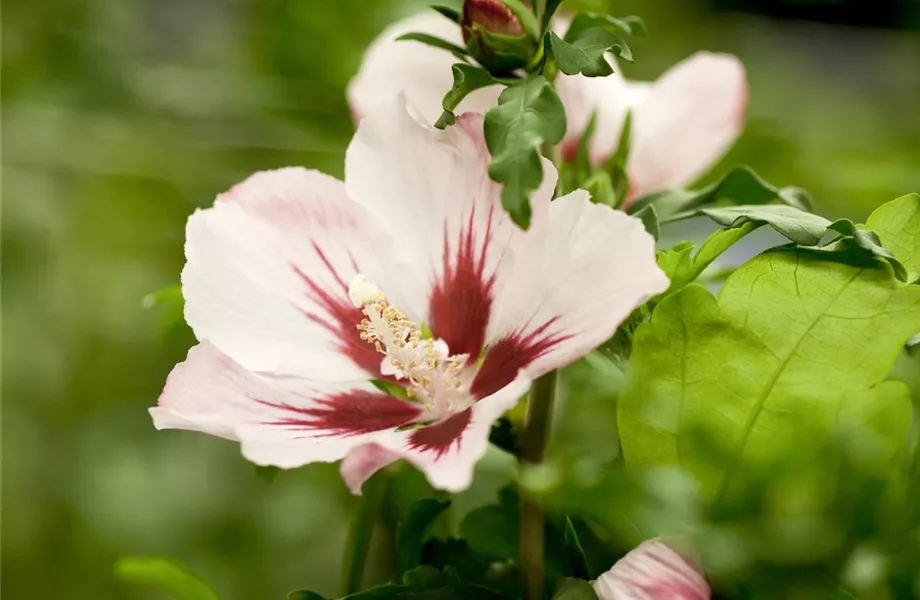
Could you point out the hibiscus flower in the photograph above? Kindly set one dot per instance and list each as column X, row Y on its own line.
column 681, row 124
column 652, row 571
column 396, row 315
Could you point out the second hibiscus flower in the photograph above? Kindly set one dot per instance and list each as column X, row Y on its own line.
column 681, row 124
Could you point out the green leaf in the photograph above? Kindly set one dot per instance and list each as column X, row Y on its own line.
column 267, row 473
column 897, row 224
column 411, row 531
column 575, row 554
column 425, row 38
column 739, row 186
column 163, row 574
column 803, row 228
column 423, row 583
column 467, row 79
column 525, row 17
column 797, row 225
column 528, row 115
column 600, row 187
column 682, row 267
column 304, row 595
column 504, row 435
column 795, row 350
column 448, row 12
column 586, row 54
column 914, row 341
column 574, row 589
column 492, row 531
column 626, row 26
column 649, row 218
column 548, row 11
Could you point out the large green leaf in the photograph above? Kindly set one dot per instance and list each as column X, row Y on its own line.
column 529, row 114
column 586, row 53
column 897, row 224
column 467, row 79
column 165, row 575
column 739, row 186
column 795, row 350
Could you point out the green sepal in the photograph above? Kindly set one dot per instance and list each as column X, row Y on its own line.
column 434, row 41
column 525, row 17
column 450, row 13
column 467, row 79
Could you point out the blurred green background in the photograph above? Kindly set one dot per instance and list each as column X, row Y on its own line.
column 120, row 118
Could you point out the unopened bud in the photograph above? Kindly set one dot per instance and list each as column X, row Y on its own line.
column 494, row 35
column 491, row 15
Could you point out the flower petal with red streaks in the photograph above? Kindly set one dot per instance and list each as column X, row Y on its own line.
column 285, row 422
column 268, row 269
column 362, row 462
column 652, row 571
column 447, row 452
column 432, row 189
column 584, row 273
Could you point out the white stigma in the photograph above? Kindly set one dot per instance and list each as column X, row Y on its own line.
column 361, row 291
column 436, row 379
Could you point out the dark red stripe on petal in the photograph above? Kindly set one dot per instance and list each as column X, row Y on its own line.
column 512, row 353
column 348, row 413
column 341, row 320
column 460, row 302
column 441, row 437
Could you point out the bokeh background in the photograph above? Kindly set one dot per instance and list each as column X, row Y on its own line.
column 120, row 118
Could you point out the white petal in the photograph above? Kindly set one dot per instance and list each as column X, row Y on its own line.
column 448, row 452
column 432, row 190
column 362, row 462
column 267, row 274
column 422, row 72
column 689, row 118
column 284, row 422
column 572, row 289
column 608, row 97
column 652, row 571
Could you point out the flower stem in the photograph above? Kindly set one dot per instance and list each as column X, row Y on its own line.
column 531, row 543
column 360, row 532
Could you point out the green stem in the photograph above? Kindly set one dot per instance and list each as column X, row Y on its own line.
column 360, row 532
column 531, row 543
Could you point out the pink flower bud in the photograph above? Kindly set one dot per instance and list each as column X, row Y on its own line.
column 491, row 15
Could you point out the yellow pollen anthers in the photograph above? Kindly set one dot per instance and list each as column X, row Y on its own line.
column 438, row 380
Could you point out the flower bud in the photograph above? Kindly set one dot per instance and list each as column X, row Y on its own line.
column 491, row 15
column 494, row 35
